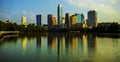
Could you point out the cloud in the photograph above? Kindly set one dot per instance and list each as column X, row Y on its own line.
column 114, row 1
column 104, row 6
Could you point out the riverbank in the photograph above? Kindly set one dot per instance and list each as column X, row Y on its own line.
column 113, row 28
column 34, row 34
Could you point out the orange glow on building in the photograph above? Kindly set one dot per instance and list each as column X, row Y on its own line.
column 54, row 20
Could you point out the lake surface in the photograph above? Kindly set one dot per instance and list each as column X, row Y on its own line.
column 59, row 47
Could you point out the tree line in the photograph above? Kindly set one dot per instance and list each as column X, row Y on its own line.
column 113, row 28
column 7, row 26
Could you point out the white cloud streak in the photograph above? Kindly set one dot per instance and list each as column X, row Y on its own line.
column 114, row 1
column 104, row 6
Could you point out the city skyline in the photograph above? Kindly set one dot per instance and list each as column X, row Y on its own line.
column 108, row 10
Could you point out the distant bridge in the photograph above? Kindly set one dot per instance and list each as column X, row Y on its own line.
column 5, row 34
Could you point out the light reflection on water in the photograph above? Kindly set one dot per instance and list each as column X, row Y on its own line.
column 60, row 48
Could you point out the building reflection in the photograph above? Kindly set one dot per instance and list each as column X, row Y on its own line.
column 61, row 47
column 75, row 45
column 91, row 44
column 41, row 47
column 24, row 44
column 91, row 41
column 38, row 45
column 52, row 43
column 81, row 47
column 68, row 43
column 64, row 45
column 84, row 46
column 38, row 41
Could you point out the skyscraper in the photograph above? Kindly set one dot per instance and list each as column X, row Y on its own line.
column 67, row 19
column 73, row 19
column 92, row 18
column 59, row 14
column 23, row 20
column 54, row 20
column 51, row 20
column 82, row 19
column 78, row 18
column 38, row 20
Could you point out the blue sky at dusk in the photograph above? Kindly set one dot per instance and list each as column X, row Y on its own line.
column 108, row 10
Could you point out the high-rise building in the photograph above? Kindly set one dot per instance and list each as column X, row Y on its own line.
column 54, row 22
column 78, row 18
column 59, row 14
column 51, row 20
column 67, row 19
column 92, row 18
column 73, row 19
column 82, row 19
column 38, row 20
column 23, row 20
column 49, row 17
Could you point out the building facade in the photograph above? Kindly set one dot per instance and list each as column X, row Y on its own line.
column 67, row 20
column 92, row 18
column 78, row 18
column 54, row 21
column 38, row 20
column 23, row 20
column 51, row 21
column 73, row 19
column 82, row 19
column 59, row 14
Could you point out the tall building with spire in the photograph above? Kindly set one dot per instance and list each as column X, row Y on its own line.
column 59, row 14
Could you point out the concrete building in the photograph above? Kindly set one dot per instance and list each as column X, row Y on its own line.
column 38, row 20
column 92, row 18
column 67, row 20
column 23, row 20
column 78, row 18
column 82, row 19
column 74, row 19
column 51, row 21
column 59, row 14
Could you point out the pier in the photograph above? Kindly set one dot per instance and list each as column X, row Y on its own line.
column 5, row 34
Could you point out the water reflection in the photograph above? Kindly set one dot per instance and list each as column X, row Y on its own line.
column 67, row 47
column 38, row 42
column 62, row 47
column 24, row 44
column 8, row 40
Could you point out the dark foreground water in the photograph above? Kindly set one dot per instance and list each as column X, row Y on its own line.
column 60, row 47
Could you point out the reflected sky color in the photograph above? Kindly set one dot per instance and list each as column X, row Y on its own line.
column 61, row 48
column 108, row 10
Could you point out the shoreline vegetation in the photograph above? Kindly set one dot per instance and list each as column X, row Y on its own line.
column 32, row 29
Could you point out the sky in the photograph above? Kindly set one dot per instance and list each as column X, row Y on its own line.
column 108, row 10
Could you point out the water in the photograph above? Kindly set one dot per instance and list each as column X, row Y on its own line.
column 67, row 47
